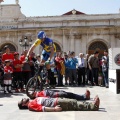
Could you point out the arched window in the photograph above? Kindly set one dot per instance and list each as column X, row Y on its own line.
column 12, row 47
column 96, row 45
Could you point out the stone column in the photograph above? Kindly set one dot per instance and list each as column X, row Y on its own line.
column 113, row 41
column 52, row 35
column 64, row 42
column 117, row 38
column 78, row 44
column 83, row 44
column 72, row 44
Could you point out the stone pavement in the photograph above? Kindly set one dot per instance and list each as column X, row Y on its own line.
column 109, row 107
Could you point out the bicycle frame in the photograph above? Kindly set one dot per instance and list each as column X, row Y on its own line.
column 38, row 81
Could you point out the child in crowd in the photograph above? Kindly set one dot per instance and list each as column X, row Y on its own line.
column 8, row 70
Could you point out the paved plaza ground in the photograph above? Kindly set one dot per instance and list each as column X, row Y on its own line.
column 109, row 107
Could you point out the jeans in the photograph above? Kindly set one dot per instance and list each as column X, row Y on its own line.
column 81, row 76
column 95, row 75
column 71, row 95
column 73, row 76
column 105, row 74
column 60, row 79
column 89, row 75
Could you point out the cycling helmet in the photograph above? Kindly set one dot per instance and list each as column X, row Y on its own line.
column 16, row 53
column 41, row 35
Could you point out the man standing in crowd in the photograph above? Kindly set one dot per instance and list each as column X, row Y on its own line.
column 52, row 83
column 88, row 71
column 105, row 66
column 81, row 70
column 93, row 63
column 26, row 70
column 32, row 62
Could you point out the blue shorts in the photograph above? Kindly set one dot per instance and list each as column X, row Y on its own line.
column 46, row 55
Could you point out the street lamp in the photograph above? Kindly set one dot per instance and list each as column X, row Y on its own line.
column 25, row 42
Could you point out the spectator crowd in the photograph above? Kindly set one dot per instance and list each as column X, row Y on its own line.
column 79, row 70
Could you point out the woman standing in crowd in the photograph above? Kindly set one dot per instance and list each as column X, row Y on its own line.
column 72, row 61
column 17, row 73
column 59, row 61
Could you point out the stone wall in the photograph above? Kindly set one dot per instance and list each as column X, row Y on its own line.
column 71, row 32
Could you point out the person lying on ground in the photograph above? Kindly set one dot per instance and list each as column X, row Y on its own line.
column 61, row 94
column 45, row 104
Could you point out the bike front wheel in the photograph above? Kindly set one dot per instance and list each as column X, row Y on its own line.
column 33, row 85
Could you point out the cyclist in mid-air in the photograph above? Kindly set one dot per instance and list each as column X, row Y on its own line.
column 49, row 50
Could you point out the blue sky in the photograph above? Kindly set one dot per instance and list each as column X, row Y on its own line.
column 59, row 7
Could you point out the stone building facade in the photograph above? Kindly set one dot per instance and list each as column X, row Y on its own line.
column 73, row 32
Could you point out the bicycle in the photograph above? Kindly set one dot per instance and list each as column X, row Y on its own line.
column 38, row 82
